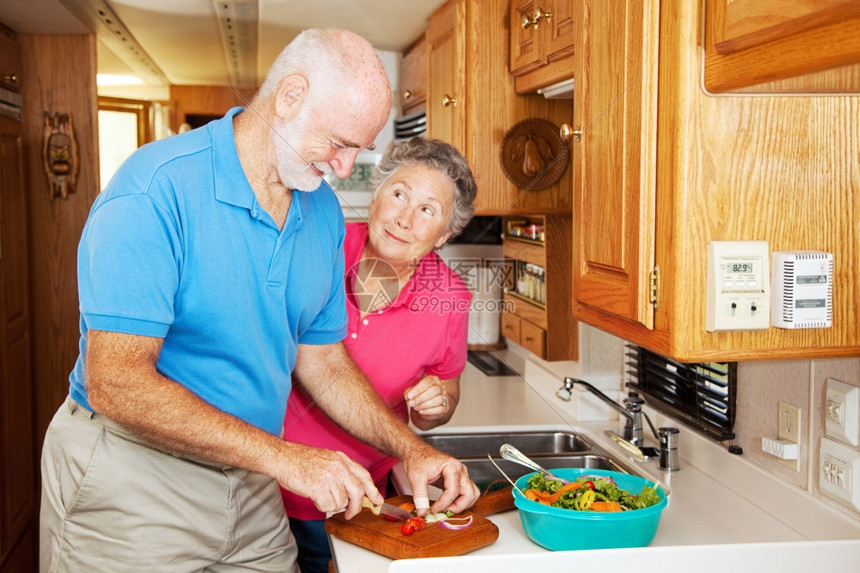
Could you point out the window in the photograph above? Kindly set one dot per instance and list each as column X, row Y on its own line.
column 701, row 394
column 124, row 125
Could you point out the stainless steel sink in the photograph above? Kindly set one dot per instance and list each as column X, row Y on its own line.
column 551, row 449
column 529, row 443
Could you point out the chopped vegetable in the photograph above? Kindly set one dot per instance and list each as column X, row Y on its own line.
column 589, row 493
column 438, row 516
column 605, row 506
column 456, row 523
column 407, row 528
column 547, row 498
column 417, row 523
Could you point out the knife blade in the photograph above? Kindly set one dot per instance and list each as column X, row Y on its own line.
column 387, row 509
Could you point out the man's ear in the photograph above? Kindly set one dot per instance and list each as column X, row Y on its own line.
column 291, row 94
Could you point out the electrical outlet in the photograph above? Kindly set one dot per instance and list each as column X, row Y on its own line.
column 789, row 423
column 839, row 473
column 788, row 429
column 842, row 411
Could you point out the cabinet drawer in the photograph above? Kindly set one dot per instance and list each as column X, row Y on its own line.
column 533, row 338
column 511, row 326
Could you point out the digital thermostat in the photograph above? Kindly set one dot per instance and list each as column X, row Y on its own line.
column 802, row 289
column 738, row 286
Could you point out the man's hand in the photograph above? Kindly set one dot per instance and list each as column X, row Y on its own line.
column 425, row 466
column 329, row 478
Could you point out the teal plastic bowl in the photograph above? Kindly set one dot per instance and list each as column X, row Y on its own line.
column 565, row 529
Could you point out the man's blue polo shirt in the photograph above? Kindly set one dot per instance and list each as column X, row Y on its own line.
column 177, row 247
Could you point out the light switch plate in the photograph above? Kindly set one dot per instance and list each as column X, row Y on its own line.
column 842, row 411
column 839, row 473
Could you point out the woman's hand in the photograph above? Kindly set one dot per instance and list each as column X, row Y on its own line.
column 432, row 401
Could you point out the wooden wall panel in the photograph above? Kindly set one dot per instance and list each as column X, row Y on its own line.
column 59, row 77
column 205, row 100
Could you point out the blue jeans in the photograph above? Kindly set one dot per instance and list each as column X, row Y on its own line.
column 314, row 550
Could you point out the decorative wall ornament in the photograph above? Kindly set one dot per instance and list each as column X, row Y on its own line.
column 533, row 155
column 60, row 154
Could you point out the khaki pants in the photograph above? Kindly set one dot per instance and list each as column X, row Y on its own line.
column 111, row 503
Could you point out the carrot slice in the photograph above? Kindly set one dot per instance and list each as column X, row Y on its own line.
column 605, row 506
column 566, row 487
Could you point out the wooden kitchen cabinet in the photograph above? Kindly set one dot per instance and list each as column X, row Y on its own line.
column 17, row 451
column 541, row 46
column 663, row 168
column 10, row 60
column 752, row 42
column 413, row 77
column 472, row 102
column 542, row 324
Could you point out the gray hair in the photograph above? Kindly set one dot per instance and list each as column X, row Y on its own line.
column 441, row 157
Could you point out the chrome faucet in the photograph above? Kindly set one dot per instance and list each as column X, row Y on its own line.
column 632, row 436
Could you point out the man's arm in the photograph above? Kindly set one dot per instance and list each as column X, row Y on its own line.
column 124, row 385
column 342, row 391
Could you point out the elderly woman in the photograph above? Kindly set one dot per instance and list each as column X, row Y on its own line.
column 408, row 315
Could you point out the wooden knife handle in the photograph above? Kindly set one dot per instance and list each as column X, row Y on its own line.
column 495, row 502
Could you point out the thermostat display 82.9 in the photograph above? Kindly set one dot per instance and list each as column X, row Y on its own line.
column 738, row 286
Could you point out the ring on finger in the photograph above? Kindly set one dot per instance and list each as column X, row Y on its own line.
column 444, row 400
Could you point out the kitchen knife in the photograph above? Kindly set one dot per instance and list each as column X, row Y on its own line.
column 387, row 509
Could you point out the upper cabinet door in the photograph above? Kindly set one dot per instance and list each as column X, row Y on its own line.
column 615, row 102
column 752, row 42
column 559, row 29
column 446, row 85
column 527, row 52
column 413, row 77
column 541, row 42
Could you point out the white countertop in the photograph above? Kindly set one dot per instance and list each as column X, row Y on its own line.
column 723, row 513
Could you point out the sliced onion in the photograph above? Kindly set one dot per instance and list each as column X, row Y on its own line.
column 605, row 478
column 456, row 523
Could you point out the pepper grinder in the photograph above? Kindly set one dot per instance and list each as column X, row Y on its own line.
column 668, row 449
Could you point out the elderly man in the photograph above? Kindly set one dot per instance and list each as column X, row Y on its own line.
column 210, row 271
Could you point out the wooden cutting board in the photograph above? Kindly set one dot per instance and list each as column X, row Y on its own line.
column 377, row 534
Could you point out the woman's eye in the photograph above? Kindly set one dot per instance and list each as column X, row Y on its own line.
column 429, row 212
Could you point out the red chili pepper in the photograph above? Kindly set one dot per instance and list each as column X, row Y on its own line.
column 589, row 484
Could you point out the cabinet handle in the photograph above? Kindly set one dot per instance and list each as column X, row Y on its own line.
column 529, row 338
column 568, row 134
column 407, row 94
column 526, row 22
column 539, row 13
column 448, row 100
column 11, row 78
column 546, row 15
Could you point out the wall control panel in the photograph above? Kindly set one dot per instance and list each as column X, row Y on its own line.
column 738, row 286
column 802, row 288
column 839, row 473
